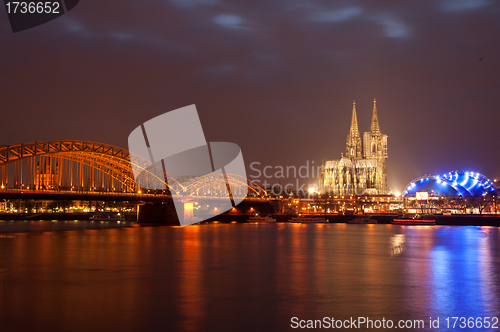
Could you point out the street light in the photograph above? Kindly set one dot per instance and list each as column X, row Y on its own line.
column 495, row 203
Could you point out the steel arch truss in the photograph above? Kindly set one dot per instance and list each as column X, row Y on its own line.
column 116, row 163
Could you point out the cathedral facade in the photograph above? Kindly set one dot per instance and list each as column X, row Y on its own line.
column 362, row 170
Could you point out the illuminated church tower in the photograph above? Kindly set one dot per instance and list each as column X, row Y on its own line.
column 375, row 147
column 353, row 145
column 363, row 168
column 47, row 174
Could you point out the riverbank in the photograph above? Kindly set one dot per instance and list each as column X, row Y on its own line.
column 58, row 216
column 458, row 219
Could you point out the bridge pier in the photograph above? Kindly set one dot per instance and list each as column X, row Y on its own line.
column 165, row 214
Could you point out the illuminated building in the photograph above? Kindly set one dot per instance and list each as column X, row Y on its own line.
column 454, row 184
column 363, row 168
column 452, row 192
column 47, row 174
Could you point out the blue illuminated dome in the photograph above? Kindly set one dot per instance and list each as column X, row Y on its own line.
column 455, row 183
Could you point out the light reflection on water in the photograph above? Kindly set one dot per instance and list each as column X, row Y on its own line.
column 228, row 277
column 13, row 226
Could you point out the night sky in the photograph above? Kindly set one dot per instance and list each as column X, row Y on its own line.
column 275, row 77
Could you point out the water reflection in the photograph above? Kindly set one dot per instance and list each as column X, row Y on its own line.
column 244, row 277
column 191, row 301
column 464, row 263
column 397, row 244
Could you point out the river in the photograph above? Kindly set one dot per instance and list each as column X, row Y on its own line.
column 242, row 277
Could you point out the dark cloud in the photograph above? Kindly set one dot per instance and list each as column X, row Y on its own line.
column 276, row 77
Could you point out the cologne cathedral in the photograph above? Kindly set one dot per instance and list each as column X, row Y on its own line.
column 362, row 170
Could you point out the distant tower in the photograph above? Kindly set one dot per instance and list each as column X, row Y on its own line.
column 46, row 174
column 353, row 145
column 375, row 147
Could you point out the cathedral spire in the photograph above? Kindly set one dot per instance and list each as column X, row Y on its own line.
column 354, row 131
column 353, row 144
column 375, row 129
